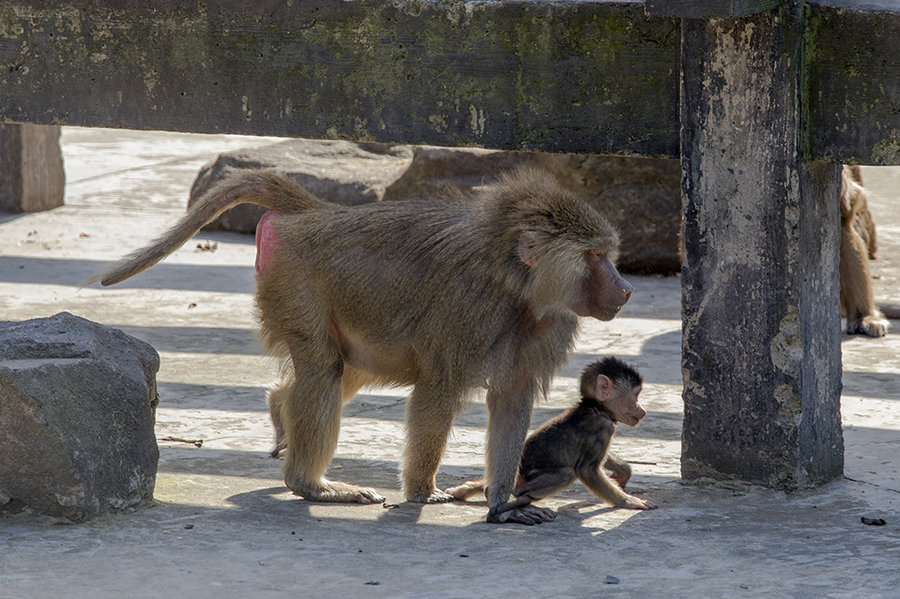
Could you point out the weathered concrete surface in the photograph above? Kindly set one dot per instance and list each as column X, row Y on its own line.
column 760, row 355
column 588, row 76
column 853, row 46
column 31, row 168
column 249, row 537
column 77, row 403
column 575, row 76
column 708, row 9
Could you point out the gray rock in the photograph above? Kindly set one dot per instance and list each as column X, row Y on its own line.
column 641, row 196
column 343, row 172
column 77, row 403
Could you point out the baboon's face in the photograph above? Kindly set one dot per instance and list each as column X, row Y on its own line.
column 604, row 291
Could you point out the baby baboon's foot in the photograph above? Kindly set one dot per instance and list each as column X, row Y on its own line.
column 459, row 492
column 528, row 515
column 337, row 492
column 466, row 490
column 436, row 496
column 620, row 479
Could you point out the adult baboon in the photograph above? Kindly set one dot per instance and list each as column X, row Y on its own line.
column 446, row 294
column 858, row 246
column 575, row 444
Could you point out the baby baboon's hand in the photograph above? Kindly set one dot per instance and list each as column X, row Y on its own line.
column 636, row 503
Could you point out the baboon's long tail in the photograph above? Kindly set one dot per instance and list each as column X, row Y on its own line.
column 265, row 188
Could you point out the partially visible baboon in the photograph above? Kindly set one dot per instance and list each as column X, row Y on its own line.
column 444, row 295
column 575, row 444
column 858, row 246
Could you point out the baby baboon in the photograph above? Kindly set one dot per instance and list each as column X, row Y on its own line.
column 575, row 444
column 446, row 295
column 858, row 246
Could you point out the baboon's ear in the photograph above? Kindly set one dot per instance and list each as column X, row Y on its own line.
column 532, row 244
column 603, row 387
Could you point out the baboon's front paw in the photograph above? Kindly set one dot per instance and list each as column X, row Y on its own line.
column 337, row 492
column 436, row 496
column 366, row 495
column 875, row 326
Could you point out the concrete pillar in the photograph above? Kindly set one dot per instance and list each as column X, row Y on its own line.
column 31, row 168
column 761, row 321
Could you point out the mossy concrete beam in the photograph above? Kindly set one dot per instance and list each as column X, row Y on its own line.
column 853, row 81
column 592, row 76
column 597, row 76
column 698, row 9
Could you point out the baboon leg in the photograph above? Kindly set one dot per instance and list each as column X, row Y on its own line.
column 601, row 486
column 509, row 414
column 857, row 299
column 311, row 415
column 351, row 381
column 621, row 470
column 429, row 418
column 513, row 504
column 545, row 483
column 277, row 397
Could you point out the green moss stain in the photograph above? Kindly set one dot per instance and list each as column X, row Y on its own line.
column 11, row 27
column 850, row 60
column 887, row 151
column 809, row 51
column 448, row 71
column 189, row 37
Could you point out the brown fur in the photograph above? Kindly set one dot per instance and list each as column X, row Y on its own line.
column 858, row 246
column 446, row 295
column 575, row 444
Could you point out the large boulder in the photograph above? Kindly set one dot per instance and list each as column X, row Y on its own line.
column 77, row 403
column 343, row 172
column 641, row 196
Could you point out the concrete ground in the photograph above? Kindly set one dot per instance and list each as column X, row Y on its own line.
column 224, row 525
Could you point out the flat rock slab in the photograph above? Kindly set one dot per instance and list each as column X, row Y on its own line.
column 77, row 403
